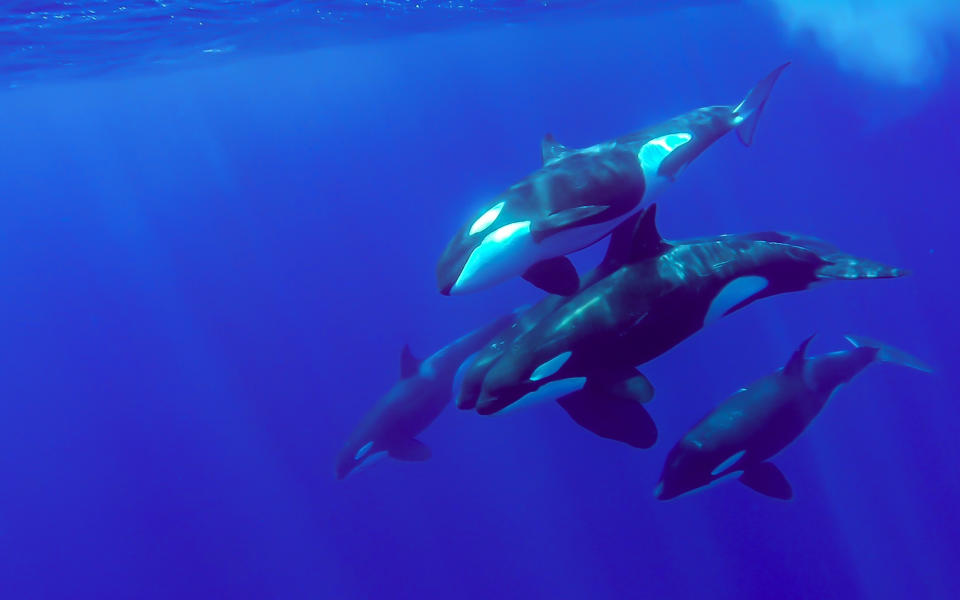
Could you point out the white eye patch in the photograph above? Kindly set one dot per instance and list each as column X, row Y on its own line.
column 550, row 367
column 363, row 451
column 486, row 219
column 728, row 463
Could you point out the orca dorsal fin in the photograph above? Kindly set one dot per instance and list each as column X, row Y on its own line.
column 620, row 241
column 633, row 240
column 409, row 364
column 795, row 364
column 551, row 149
column 646, row 241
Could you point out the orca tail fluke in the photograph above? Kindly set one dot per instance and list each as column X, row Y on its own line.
column 889, row 354
column 747, row 113
column 838, row 265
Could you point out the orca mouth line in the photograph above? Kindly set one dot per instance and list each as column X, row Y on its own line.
column 446, row 284
column 446, row 288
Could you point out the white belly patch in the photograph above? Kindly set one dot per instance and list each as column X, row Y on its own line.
column 546, row 393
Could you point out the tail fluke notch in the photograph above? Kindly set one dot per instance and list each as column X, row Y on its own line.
column 748, row 112
column 889, row 354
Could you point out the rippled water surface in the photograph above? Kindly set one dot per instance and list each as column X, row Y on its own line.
column 94, row 36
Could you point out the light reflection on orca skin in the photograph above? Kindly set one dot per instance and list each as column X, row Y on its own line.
column 579, row 196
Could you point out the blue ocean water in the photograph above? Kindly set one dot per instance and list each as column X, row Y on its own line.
column 220, row 224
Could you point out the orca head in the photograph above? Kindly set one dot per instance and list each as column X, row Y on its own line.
column 520, row 373
column 493, row 246
column 500, row 397
column 690, row 466
column 474, row 372
column 357, row 455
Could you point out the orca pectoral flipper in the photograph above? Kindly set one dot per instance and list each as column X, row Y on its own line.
column 410, row 449
column 627, row 384
column 563, row 219
column 611, row 416
column 555, row 276
column 768, row 480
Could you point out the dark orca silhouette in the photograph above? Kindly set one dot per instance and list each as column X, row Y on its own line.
column 760, row 420
column 412, row 404
column 579, row 196
column 646, row 296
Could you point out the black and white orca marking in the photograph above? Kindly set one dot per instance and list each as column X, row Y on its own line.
column 412, row 404
column 737, row 439
column 650, row 295
column 579, row 196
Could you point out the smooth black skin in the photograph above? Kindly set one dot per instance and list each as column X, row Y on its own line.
column 762, row 419
column 608, row 175
column 640, row 310
column 616, row 417
column 527, row 319
column 415, row 401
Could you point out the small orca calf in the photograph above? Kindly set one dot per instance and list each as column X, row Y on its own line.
column 760, row 420
column 579, row 196
column 412, row 404
column 647, row 296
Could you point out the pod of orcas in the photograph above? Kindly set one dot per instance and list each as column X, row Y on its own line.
column 580, row 346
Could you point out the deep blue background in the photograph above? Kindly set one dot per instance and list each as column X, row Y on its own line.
column 206, row 278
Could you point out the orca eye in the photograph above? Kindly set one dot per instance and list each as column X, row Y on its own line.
column 486, row 219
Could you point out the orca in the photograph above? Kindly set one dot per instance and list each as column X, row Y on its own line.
column 577, row 197
column 647, row 296
column 738, row 438
column 412, row 404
